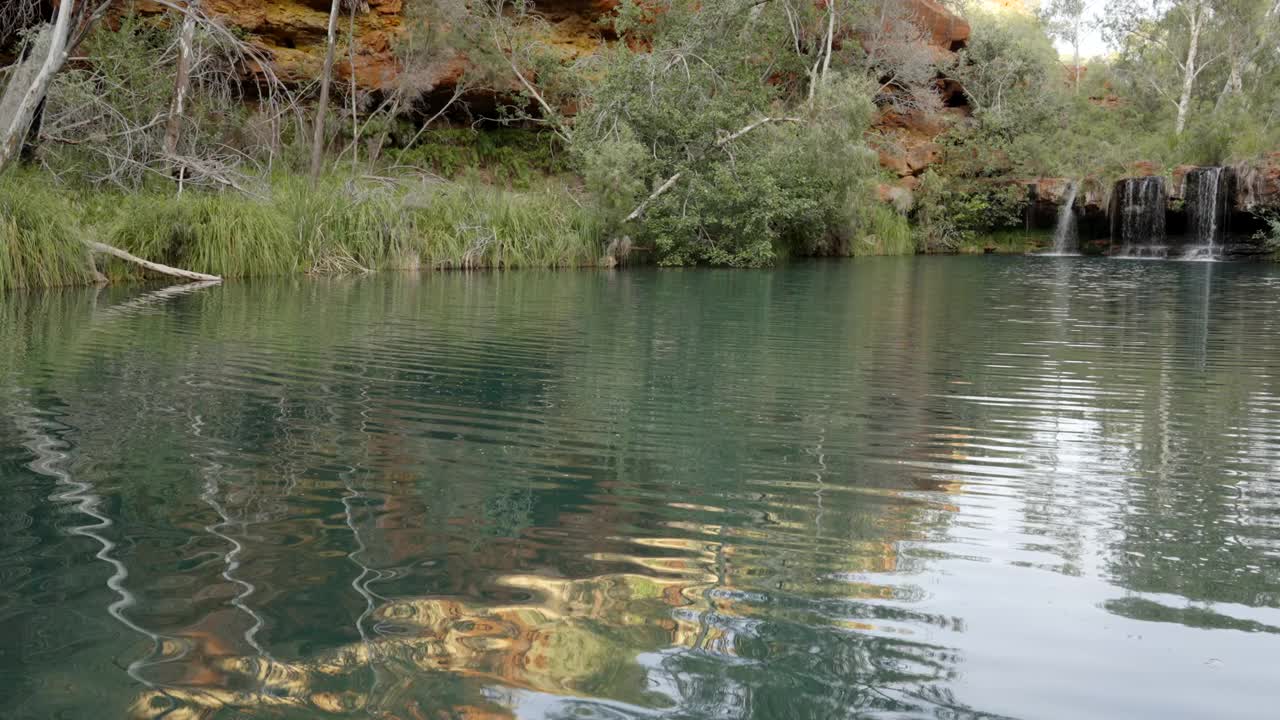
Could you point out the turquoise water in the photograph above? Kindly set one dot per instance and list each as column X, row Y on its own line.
column 890, row 488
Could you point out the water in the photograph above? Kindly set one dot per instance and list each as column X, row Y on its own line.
column 1138, row 207
column 1206, row 208
column 892, row 488
column 1066, row 238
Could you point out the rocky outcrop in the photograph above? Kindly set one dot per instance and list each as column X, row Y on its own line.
column 1258, row 183
column 947, row 30
column 292, row 34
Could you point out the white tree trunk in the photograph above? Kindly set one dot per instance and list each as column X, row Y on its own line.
column 1234, row 84
column 317, row 141
column 181, row 83
column 19, row 104
column 1075, row 53
column 1189, row 68
column 831, row 35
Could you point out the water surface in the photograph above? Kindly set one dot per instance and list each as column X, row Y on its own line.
column 888, row 488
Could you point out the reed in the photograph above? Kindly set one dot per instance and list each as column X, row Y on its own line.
column 39, row 238
column 472, row 226
column 881, row 230
column 220, row 233
column 338, row 230
column 336, row 226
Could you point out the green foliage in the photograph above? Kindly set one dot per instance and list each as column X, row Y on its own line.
column 222, row 234
column 951, row 212
column 881, row 230
column 514, row 157
column 759, row 170
column 1270, row 234
column 1009, row 241
column 1009, row 69
column 335, row 228
column 468, row 226
column 39, row 242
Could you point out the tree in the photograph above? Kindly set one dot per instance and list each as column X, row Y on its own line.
column 326, row 76
column 1064, row 19
column 326, row 79
column 1007, row 70
column 1249, row 27
column 899, row 57
column 1166, row 35
column 181, row 84
column 29, row 82
column 769, row 160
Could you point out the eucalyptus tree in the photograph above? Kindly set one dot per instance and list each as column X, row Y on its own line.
column 1064, row 19
column 1165, row 44
column 181, row 84
column 1250, row 29
column 326, row 78
column 29, row 80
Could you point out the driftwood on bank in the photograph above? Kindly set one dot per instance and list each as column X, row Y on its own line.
column 154, row 266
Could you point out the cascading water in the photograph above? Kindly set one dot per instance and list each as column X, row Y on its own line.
column 1206, row 201
column 1137, row 218
column 1066, row 237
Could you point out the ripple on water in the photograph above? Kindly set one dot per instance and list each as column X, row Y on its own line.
column 891, row 488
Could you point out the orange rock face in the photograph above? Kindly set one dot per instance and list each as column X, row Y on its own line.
column 292, row 33
column 948, row 30
column 1259, row 182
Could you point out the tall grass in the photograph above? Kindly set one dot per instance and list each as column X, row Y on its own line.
column 223, row 234
column 472, row 226
column 335, row 227
column 39, row 242
column 881, row 230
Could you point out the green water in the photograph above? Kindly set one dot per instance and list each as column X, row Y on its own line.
column 911, row 487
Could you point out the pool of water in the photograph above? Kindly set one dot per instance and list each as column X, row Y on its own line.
column 914, row 487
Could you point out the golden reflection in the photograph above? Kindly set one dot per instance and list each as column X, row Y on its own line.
column 593, row 637
column 574, row 638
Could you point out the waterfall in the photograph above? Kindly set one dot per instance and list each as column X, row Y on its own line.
column 1066, row 238
column 1137, row 217
column 1206, row 209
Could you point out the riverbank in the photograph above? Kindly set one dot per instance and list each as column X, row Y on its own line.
column 288, row 227
column 340, row 225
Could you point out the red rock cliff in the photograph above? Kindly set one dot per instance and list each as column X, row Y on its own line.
column 292, row 32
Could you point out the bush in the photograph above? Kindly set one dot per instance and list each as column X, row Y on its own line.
column 1270, row 234
column 515, row 157
column 665, row 114
column 951, row 212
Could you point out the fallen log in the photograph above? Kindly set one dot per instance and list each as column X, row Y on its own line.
column 155, row 266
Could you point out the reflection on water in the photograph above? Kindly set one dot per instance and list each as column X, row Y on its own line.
column 891, row 488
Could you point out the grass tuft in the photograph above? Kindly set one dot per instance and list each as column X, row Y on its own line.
column 470, row 226
column 881, row 230
column 39, row 241
column 218, row 233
